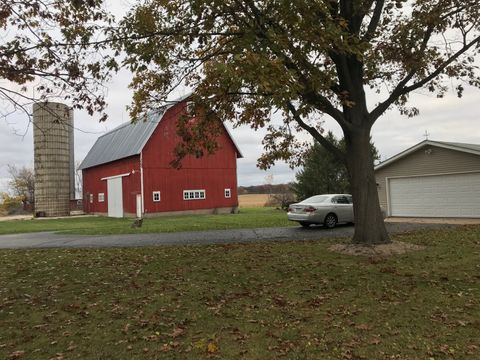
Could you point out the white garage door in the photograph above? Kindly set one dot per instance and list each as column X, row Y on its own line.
column 455, row 195
column 115, row 198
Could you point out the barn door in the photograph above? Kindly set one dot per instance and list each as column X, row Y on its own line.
column 139, row 205
column 115, row 197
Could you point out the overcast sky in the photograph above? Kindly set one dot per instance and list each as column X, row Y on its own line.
column 447, row 119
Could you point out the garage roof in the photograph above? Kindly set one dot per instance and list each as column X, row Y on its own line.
column 468, row 148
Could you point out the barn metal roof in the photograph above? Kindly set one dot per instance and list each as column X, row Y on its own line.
column 129, row 139
column 468, row 148
column 125, row 140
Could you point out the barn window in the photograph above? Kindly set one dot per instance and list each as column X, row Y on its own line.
column 156, row 196
column 194, row 194
column 228, row 193
column 91, row 198
column 101, row 197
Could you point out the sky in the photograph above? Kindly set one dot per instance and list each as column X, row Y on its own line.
column 447, row 119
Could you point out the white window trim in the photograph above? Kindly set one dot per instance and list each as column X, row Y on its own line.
column 101, row 197
column 91, row 198
column 228, row 193
column 192, row 194
column 153, row 196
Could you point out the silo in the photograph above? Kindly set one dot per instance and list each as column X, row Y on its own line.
column 53, row 158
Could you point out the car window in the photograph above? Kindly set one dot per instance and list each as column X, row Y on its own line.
column 316, row 199
column 350, row 199
column 340, row 200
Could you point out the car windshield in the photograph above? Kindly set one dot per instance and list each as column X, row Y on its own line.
column 316, row 199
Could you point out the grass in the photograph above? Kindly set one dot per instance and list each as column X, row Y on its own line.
column 293, row 300
column 246, row 219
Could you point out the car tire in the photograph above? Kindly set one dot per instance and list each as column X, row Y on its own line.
column 330, row 221
column 304, row 224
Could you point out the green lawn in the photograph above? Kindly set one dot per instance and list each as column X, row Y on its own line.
column 293, row 300
column 247, row 218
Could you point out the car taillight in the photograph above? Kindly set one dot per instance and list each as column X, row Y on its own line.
column 290, row 209
column 309, row 209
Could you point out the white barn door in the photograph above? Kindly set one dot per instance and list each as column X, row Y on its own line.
column 115, row 197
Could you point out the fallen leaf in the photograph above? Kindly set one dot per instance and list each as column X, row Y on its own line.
column 177, row 332
column 212, row 348
column 362, row 327
column 16, row 354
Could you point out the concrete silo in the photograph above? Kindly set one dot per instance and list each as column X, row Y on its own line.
column 53, row 158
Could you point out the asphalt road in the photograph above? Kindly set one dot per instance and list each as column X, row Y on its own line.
column 55, row 240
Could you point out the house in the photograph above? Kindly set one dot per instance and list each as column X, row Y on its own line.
column 128, row 171
column 431, row 179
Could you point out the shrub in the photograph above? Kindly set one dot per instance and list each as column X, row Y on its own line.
column 11, row 204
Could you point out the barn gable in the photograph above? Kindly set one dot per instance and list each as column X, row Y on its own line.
column 129, row 139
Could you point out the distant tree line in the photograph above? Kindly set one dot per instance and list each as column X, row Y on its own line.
column 264, row 189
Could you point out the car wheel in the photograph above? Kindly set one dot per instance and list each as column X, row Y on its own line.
column 304, row 224
column 330, row 221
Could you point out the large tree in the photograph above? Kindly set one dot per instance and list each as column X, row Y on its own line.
column 303, row 59
column 52, row 50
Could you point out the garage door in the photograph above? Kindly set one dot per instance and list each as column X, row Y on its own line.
column 455, row 195
column 115, row 198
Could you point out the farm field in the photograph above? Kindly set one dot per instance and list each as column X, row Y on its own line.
column 252, row 200
column 292, row 300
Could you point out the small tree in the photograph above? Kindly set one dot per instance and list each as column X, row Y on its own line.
column 10, row 204
column 22, row 182
column 322, row 172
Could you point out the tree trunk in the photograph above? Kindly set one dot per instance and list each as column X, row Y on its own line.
column 369, row 222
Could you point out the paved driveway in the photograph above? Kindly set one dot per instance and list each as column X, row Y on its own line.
column 55, row 240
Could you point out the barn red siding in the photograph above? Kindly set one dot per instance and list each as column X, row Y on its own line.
column 93, row 184
column 212, row 173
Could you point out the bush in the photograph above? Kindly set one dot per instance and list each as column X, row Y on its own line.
column 281, row 201
column 11, row 204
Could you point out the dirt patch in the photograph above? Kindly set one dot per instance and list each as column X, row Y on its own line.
column 15, row 217
column 394, row 248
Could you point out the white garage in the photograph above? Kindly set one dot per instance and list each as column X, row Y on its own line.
column 453, row 195
column 431, row 179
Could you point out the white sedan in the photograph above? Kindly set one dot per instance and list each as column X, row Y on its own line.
column 329, row 210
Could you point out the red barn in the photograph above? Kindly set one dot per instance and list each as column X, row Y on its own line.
column 128, row 173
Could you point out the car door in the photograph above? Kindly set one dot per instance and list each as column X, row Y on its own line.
column 343, row 208
column 350, row 215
